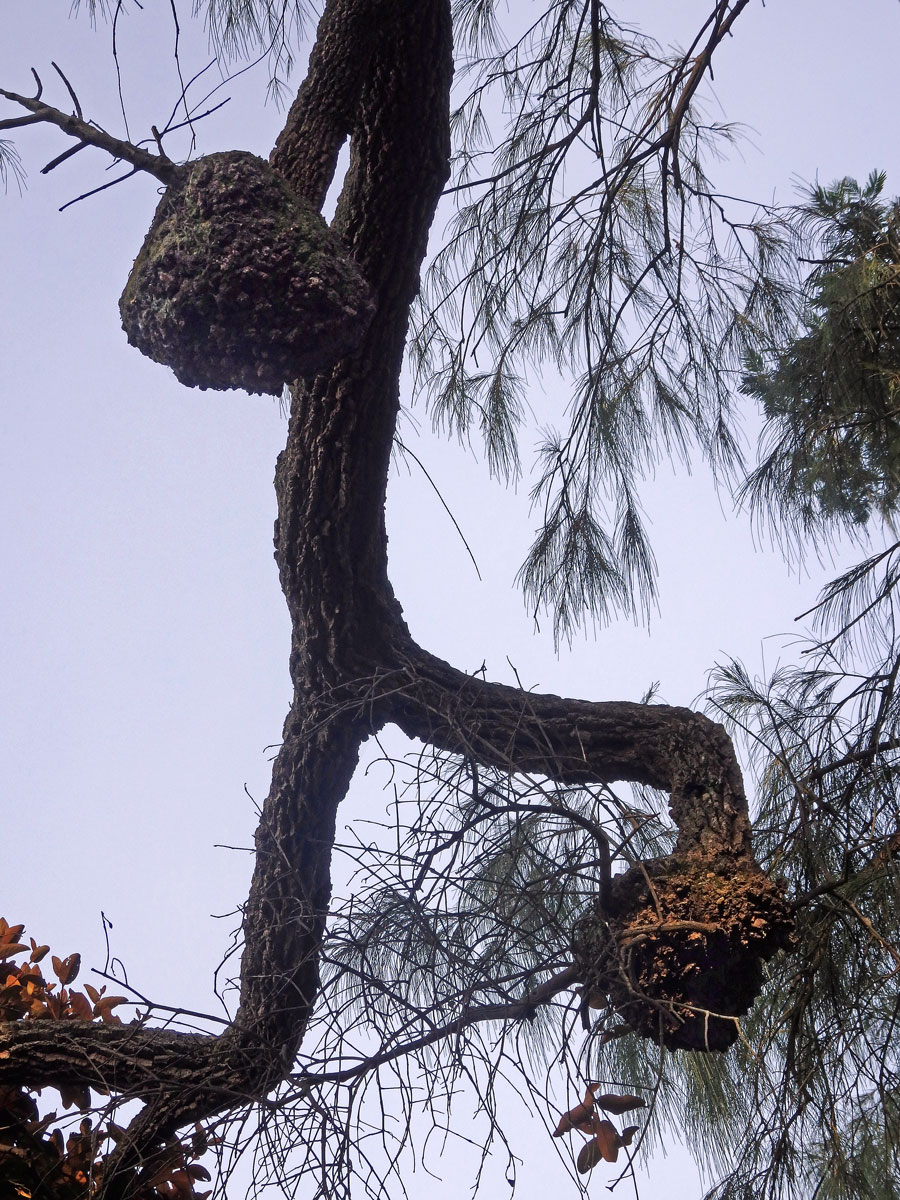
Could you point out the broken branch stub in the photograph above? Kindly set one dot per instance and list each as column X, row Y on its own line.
column 240, row 283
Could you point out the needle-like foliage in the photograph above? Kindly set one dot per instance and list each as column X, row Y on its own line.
column 589, row 250
column 272, row 29
column 821, row 1116
column 10, row 165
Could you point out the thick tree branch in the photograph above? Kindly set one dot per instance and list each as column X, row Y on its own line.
column 326, row 108
column 574, row 741
column 331, row 481
column 130, row 1060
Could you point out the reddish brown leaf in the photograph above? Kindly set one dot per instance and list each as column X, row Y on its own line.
column 55, row 1008
column 80, row 1007
column 37, row 952
column 66, row 969
column 9, row 933
column 103, row 1008
column 578, row 1117
column 588, row 1156
column 607, row 1138
column 619, row 1104
column 627, row 1135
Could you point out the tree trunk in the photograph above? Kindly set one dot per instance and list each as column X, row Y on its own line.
column 380, row 72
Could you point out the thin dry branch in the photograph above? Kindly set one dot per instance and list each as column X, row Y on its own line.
column 88, row 134
column 469, row 1015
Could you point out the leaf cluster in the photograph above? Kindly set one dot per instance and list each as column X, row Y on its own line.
column 37, row 1160
column 831, row 395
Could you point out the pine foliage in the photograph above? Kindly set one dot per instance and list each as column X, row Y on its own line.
column 591, row 254
column 831, row 395
column 590, row 249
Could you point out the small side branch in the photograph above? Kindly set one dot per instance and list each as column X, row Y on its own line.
column 470, row 1015
column 74, row 124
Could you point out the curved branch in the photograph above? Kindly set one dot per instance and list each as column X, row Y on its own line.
column 574, row 741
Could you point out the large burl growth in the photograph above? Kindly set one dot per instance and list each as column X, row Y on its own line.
column 676, row 946
column 678, row 950
column 240, row 283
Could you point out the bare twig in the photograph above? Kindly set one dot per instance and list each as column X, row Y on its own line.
column 70, row 90
column 470, row 1015
column 157, row 165
column 61, row 158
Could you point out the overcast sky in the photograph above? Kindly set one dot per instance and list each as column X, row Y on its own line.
column 145, row 640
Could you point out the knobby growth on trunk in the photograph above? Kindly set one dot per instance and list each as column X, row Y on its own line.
column 674, row 946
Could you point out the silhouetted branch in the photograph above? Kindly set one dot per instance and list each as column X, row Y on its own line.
column 468, row 1016
column 75, row 126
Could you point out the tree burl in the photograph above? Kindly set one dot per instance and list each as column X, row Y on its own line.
column 240, row 283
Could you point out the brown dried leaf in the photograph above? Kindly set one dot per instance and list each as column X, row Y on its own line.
column 619, row 1104
column 588, row 1156
column 578, row 1117
column 607, row 1138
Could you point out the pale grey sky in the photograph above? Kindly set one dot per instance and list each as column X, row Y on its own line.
column 145, row 641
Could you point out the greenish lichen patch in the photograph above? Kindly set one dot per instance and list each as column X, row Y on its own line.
column 240, row 283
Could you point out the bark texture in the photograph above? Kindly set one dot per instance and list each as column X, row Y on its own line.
column 379, row 73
